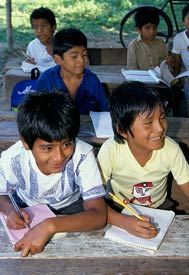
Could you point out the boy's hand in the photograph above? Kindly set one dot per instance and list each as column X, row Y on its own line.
column 34, row 240
column 170, row 60
column 143, row 229
column 30, row 60
column 14, row 221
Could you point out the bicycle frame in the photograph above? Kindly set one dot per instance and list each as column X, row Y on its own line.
column 172, row 3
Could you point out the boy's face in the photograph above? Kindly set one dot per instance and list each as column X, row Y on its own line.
column 149, row 132
column 186, row 21
column 51, row 157
column 43, row 30
column 73, row 61
column 148, row 32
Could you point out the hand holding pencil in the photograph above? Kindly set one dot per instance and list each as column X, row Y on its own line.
column 135, row 224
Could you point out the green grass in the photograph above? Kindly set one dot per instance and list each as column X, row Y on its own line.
column 95, row 18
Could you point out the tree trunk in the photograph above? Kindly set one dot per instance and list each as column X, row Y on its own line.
column 9, row 25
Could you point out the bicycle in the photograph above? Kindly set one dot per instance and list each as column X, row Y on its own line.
column 165, row 28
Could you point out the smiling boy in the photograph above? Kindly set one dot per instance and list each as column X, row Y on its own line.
column 135, row 163
column 49, row 165
column 71, row 75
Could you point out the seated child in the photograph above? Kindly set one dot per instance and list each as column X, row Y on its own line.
column 135, row 163
column 39, row 50
column 71, row 75
column 181, row 44
column 49, row 165
column 146, row 51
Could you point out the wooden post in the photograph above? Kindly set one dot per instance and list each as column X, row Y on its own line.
column 9, row 25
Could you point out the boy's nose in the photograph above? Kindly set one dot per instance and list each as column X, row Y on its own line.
column 59, row 155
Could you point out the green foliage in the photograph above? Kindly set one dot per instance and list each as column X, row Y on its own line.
column 93, row 17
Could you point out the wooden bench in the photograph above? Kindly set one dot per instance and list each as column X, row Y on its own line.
column 90, row 253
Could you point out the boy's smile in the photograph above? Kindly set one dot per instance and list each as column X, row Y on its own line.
column 51, row 157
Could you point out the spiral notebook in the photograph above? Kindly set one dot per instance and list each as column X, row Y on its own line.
column 37, row 213
column 162, row 219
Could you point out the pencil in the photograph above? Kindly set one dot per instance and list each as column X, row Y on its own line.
column 17, row 209
column 132, row 211
column 25, row 55
column 182, row 49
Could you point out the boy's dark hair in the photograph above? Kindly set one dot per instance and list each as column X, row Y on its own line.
column 146, row 15
column 43, row 13
column 66, row 39
column 128, row 101
column 185, row 11
column 48, row 116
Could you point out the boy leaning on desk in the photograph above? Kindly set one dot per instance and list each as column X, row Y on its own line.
column 49, row 165
column 136, row 162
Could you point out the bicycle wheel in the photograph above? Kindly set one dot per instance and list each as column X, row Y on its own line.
column 127, row 25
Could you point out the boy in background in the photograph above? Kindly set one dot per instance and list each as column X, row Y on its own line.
column 135, row 163
column 181, row 44
column 49, row 165
column 39, row 50
column 71, row 75
column 146, row 51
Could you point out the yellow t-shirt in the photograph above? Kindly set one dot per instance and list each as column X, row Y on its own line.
column 142, row 185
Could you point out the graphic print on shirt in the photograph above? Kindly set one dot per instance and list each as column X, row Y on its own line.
column 142, row 193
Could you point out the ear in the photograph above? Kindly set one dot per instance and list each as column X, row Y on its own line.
column 57, row 59
column 138, row 29
column 24, row 143
column 53, row 28
column 121, row 133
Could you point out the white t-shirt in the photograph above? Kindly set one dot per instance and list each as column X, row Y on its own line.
column 80, row 177
column 181, row 42
column 142, row 185
column 38, row 51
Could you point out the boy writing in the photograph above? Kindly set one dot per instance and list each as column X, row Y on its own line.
column 181, row 44
column 71, row 75
column 135, row 163
column 49, row 165
column 146, row 51
column 39, row 50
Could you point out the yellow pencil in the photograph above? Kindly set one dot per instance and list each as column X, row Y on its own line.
column 25, row 55
column 132, row 211
column 182, row 49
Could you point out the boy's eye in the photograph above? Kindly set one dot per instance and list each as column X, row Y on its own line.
column 46, row 148
column 67, row 144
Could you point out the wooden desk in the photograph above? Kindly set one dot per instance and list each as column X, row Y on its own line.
column 109, row 74
column 178, row 129
column 90, row 253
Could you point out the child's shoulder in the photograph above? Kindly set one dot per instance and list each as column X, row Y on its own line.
column 82, row 147
column 13, row 150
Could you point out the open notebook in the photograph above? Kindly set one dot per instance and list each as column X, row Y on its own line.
column 162, row 220
column 37, row 213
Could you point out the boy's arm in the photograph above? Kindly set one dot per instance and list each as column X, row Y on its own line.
column 177, row 64
column 131, row 58
column 94, row 217
column 185, row 189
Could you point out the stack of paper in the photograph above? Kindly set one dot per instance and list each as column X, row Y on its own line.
column 102, row 124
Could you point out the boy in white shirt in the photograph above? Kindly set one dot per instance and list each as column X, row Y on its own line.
column 49, row 165
column 39, row 50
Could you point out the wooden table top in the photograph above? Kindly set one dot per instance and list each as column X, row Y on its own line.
column 178, row 129
column 90, row 253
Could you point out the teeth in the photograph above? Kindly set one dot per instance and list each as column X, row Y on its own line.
column 155, row 138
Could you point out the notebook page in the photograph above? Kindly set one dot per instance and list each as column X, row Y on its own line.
column 102, row 124
column 37, row 213
column 162, row 220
